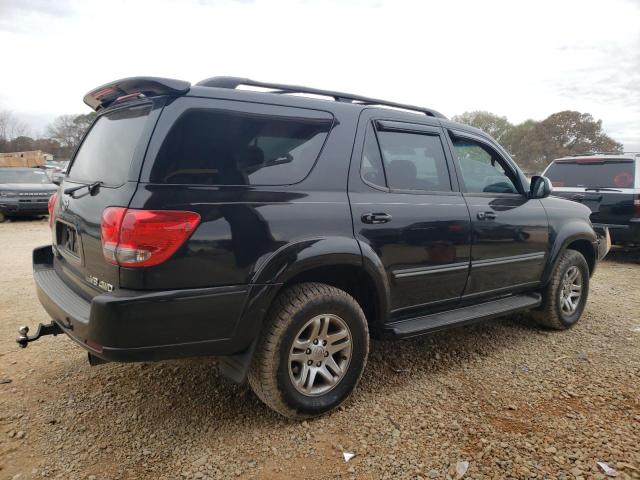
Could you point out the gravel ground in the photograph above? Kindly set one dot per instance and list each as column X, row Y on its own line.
column 510, row 399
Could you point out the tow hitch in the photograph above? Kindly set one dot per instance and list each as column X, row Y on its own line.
column 24, row 339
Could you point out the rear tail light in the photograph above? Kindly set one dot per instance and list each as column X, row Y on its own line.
column 143, row 238
column 636, row 207
column 51, row 205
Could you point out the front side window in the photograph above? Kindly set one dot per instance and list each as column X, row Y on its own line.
column 414, row 161
column 482, row 168
column 222, row 147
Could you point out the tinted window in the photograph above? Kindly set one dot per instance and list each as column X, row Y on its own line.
column 592, row 173
column 9, row 175
column 414, row 161
column 482, row 168
column 371, row 168
column 107, row 151
column 219, row 147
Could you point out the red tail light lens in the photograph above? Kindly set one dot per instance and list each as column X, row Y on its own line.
column 143, row 238
column 636, row 207
column 51, row 205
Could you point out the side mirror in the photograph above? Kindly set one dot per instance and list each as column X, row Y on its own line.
column 540, row 187
column 57, row 177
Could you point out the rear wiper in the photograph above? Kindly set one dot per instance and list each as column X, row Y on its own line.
column 91, row 187
column 601, row 189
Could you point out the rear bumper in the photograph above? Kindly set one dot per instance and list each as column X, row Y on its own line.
column 127, row 325
column 625, row 233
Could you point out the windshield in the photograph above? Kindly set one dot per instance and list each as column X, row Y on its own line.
column 23, row 176
column 107, row 152
column 592, row 173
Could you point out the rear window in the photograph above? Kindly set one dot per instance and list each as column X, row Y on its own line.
column 219, row 147
column 107, row 152
column 592, row 173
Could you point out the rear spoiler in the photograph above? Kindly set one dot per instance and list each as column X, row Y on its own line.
column 134, row 87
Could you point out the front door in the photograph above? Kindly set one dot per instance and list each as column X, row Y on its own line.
column 407, row 209
column 510, row 235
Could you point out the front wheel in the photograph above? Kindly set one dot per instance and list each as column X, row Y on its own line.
column 312, row 352
column 565, row 296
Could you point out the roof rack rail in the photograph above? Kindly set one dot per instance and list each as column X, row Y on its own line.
column 235, row 82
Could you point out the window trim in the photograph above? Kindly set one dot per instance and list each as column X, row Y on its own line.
column 507, row 164
column 398, row 126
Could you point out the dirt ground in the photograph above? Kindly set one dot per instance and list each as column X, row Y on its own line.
column 512, row 400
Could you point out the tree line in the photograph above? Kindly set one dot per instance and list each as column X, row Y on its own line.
column 60, row 138
column 532, row 144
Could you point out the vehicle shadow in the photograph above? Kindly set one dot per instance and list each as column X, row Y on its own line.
column 619, row 254
column 187, row 395
column 26, row 218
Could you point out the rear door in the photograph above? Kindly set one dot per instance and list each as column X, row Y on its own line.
column 406, row 208
column 510, row 233
column 103, row 173
column 605, row 185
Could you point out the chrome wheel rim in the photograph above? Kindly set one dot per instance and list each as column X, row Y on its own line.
column 571, row 290
column 320, row 355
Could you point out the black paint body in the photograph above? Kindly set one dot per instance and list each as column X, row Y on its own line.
column 212, row 295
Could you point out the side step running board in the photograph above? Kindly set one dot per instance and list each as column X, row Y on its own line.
column 462, row 316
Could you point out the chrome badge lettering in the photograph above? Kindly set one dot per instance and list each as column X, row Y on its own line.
column 96, row 282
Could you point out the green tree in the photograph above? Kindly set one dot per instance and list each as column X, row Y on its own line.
column 496, row 126
column 570, row 133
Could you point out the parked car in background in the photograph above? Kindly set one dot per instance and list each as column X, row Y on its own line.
column 24, row 191
column 607, row 183
column 279, row 232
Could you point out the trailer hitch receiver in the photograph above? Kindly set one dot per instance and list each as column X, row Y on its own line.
column 49, row 329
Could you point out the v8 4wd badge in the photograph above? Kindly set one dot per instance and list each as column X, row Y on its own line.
column 96, row 282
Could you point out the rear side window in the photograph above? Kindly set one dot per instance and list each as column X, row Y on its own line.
column 592, row 173
column 221, row 147
column 107, row 151
column 414, row 161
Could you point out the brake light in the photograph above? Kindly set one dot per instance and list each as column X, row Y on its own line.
column 143, row 238
column 51, row 205
column 636, row 207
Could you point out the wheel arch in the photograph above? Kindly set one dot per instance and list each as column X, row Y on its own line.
column 577, row 236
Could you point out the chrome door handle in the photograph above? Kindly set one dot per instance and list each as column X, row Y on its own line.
column 486, row 216
column 376, row 217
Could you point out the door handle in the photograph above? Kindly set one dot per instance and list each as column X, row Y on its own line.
column 486, row 216
column 376, row 217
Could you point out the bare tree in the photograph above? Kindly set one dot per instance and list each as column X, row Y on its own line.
column 11, row 126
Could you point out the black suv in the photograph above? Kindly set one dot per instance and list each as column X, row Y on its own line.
column 607, row 183
column 278, row 232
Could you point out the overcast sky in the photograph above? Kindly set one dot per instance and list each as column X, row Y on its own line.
column 520, row 59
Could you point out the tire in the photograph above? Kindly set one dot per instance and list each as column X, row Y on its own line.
column 3, row 217
column 280, row 375
column 554, row 313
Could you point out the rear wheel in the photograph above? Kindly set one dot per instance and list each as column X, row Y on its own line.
column 312, row 352
column 3, row 217
column 565, row 297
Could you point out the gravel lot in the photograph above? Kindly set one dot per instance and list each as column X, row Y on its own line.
column 512, row 400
